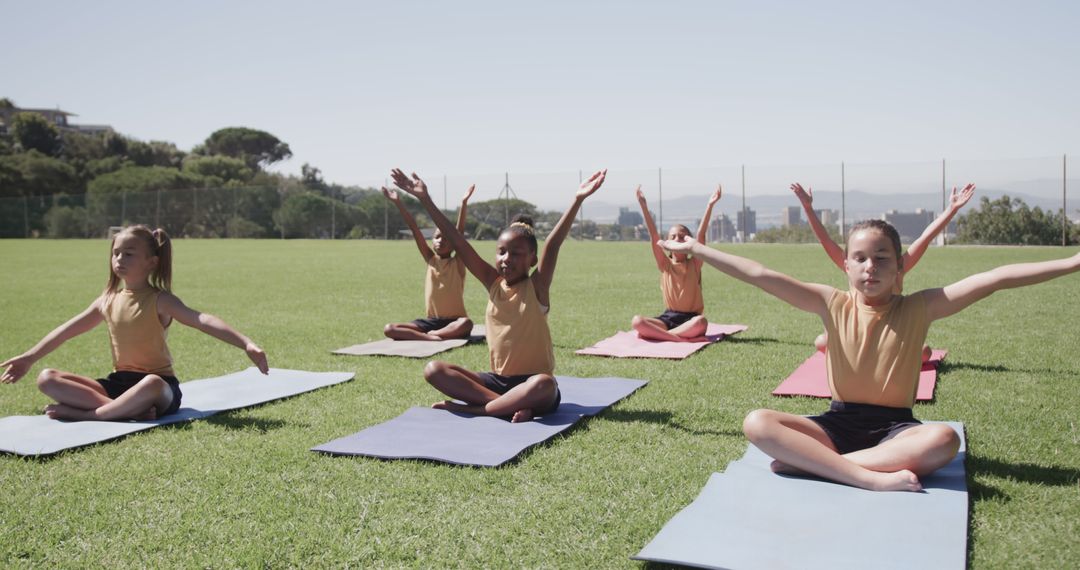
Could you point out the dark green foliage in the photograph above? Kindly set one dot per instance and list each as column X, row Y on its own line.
column 220, row 169
column 1010, row 221
column 32, row 131
column 66, row 222
column 256, row 148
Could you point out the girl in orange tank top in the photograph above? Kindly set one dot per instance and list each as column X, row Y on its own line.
column 868, row 438
column 138, row 308
column 444, row 284
column 521, row 384
column 680, row 282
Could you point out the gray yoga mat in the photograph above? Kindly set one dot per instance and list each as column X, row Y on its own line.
column 462, row 439
column 410, row 348
column 750, row 517
column 39, row 435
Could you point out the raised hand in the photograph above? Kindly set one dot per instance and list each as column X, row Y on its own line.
column 957, row 201
column 592, row 184
column 806, row 197
column 391, row 195
column 257, row 356
column 413, row 185
column 468, row 193
column 640, row 195
column 675, row 246
column 716, row 195
column 15, row 368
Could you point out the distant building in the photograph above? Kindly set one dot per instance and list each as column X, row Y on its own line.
column 744, row 228
column 57, row 117
column 791, row 216
column 628, row 217
column 828, row 217
column 909, row 225
column 721, row 229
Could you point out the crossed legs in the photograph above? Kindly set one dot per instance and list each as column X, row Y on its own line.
column 520, row 402
column 799, row 445
column 654, row 329
column 82, row 398
column 460, row 328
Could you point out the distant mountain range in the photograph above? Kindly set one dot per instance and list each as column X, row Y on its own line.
column 1045, row 194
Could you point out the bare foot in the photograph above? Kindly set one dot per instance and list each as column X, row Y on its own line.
column 926, row 353
column 778, row 466
column 65, row 412
column 148, row 415
column 902, row 480
column 452, row 406
column 522, row 415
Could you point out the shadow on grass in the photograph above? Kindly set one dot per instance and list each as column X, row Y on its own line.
column 946, row 366
column 663, row 418
column 228, row 421
column 1023, row 472
column 761, row 340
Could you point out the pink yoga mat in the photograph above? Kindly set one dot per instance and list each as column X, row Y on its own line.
column 809, row 378
column 630, row 345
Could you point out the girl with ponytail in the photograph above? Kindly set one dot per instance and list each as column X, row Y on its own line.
column 138, row 307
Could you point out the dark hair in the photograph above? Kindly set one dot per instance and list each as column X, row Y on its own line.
column 882, row 226
column 158, row 244
column 522, row 226
column 686, row 229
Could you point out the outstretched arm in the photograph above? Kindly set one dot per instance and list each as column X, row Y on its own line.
column 545, row 269
column 172, row 306
column 421, row 243
column 703, row 228
column 809, row 297
column 918, row 247
column 949, row 300
column 481, row 269
column 17, row 367
column 806, row 198
column 654, row 236
column 461, row 216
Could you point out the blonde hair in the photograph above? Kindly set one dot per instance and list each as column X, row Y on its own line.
column 159, row 245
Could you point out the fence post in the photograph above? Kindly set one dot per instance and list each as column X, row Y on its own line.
column 157, row 210
column 194, row 207
column 945, row 230
column 26, row 215
column 123, row 208
column 333, row 217
column 660, row 187
column 1064, row 204
column 843, row 202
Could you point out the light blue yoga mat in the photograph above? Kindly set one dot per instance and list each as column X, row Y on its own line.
column 749, row 517
column 462, row 439
column 39, row 435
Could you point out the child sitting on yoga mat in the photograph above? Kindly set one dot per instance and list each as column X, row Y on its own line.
column 910, row 258
column 868, row 438
column 522, row 382
column 444, row 285
column 680, row 282
column 138, row 308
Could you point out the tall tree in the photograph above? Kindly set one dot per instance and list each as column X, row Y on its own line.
column 256, row 148
column 34, row 132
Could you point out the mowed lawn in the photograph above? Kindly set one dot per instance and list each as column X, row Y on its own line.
column 241, row 489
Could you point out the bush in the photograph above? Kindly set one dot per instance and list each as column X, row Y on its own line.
column 238, row 227
column 66, row 222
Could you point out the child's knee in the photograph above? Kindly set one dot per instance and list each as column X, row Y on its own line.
column 435, row 369
column 756, row 424
column 944, row 438
column 543, row 384
column 47, row 377
column 388, row 328
column 820, row 342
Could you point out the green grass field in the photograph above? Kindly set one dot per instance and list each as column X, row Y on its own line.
column 241, row 489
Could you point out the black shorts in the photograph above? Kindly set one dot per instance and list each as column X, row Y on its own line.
column 121, row 381
column 675, row 318
column 433, row 324
column 502, row 384
column 852, row 427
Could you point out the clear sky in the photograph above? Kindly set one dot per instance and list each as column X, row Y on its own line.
column 472, row 89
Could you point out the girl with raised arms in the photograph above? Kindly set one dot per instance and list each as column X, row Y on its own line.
column 680, row 281
column 138, row 308
column 444, row 284
column 521, row 384
column 913, row 254
column 868, row 438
